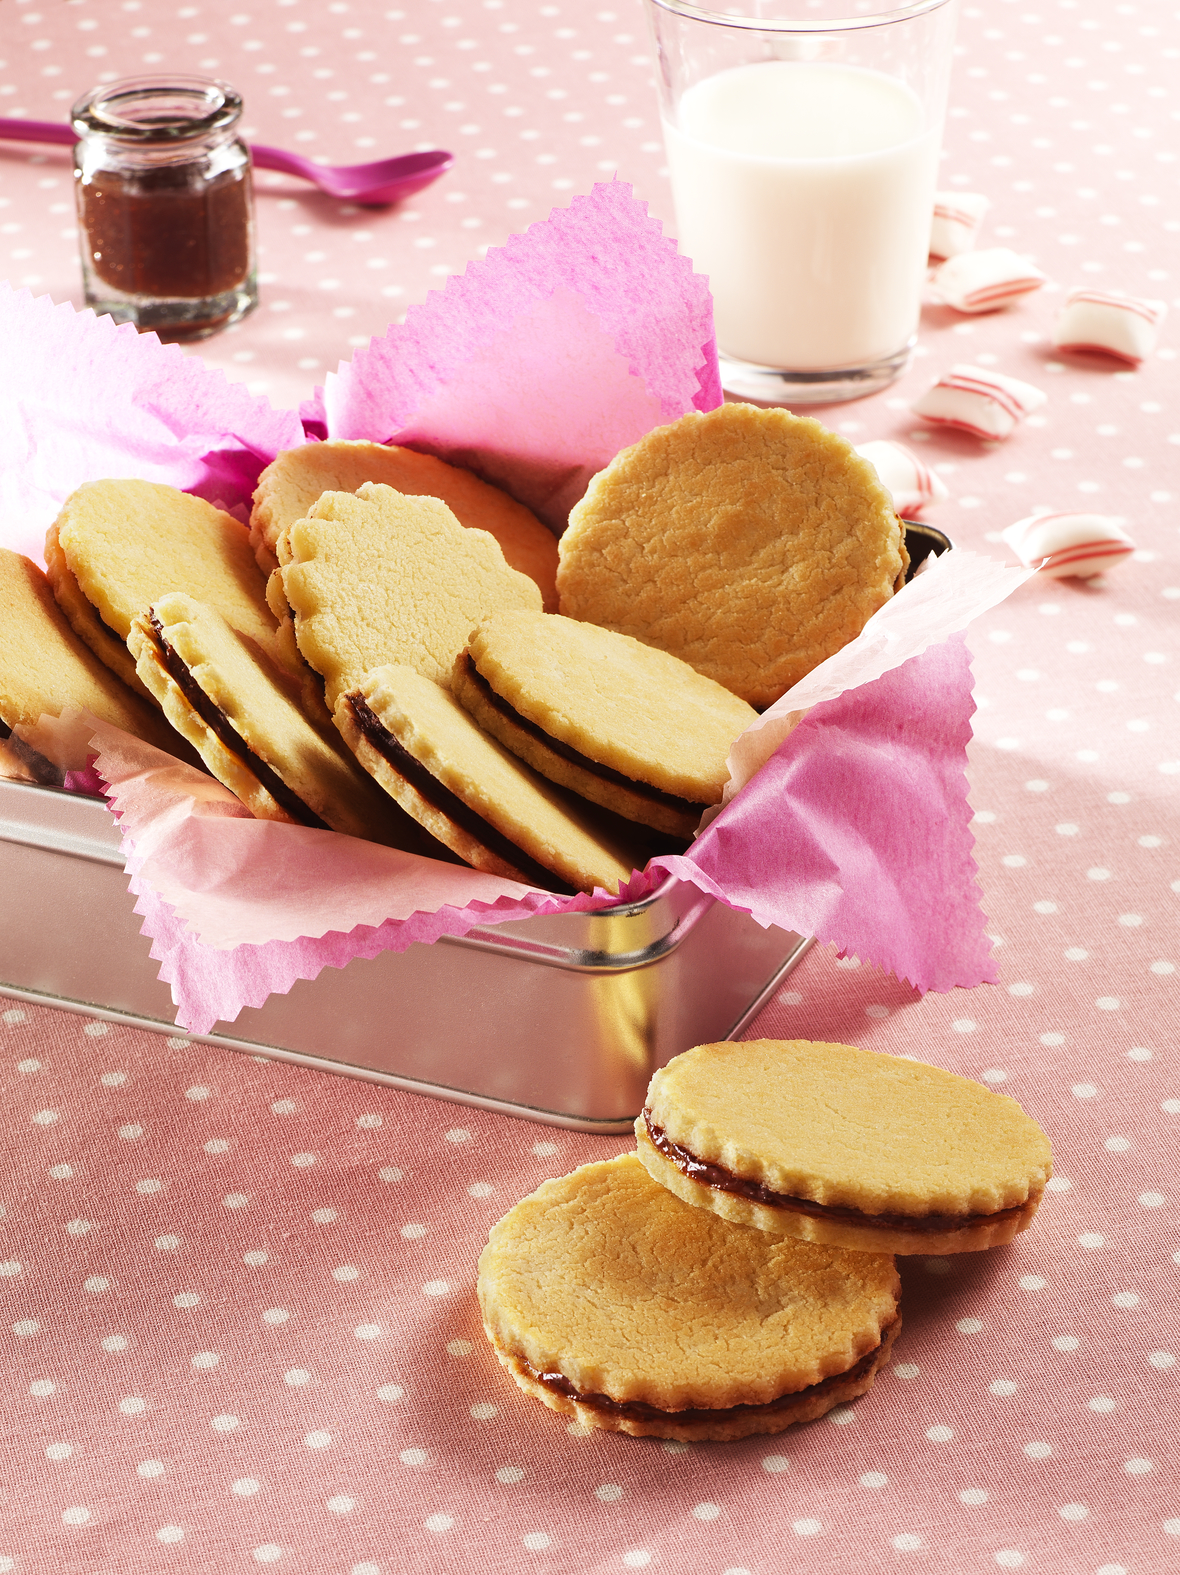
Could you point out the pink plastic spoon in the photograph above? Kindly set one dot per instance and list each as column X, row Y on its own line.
column 371, row 185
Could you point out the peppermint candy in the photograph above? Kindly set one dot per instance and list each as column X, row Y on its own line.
column 1075, row 546
column 957, row 217
column 988, row 404
column 911, row 483
column 1125, row 326
column 986, row 281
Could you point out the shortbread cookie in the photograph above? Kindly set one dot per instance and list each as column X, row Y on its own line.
column 374, row 577
column 288, row 488
column 241, row 712
column 623, row 724
column 608, row 1299
column 118, row 546
column 751, row 543
column 831, row 1144
column 44, row 666
column 469, row 792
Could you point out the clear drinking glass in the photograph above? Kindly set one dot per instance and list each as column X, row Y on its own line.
column 803, row 146
column 165, row 204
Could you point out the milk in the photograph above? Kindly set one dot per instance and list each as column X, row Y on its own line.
column 804, row 191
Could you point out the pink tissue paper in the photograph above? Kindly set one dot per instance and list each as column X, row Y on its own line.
column 846, row 817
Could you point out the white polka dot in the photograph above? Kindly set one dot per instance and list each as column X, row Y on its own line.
column 368, row 1123
column 439, row 1523
column 874, row 1479
column 964, row 1025
column 969, row 1325
column 1073, row 1511
column 302, row 1161
column 706, row 1511
column 545, row 1150
column 807, row 1528
column 1091, row 1240
column 535, row 1541
column 1014, row 861
column 390, row 1393
column 346, row 1272
column 1162, row 1359
column 483, row 1412
column 113, row 1079
column 413, row 1232
column 367, row 1331
column 79, row 1227
column 9, row 1269
column 1137, row 1467
column 1009, row 1558
column 25, row 1328
column 28, row 1067
column 389, row 1173
column 1125, row 1299
column 906, row 1369
column 940, row 1435
column 435, row 1288
column 877, row 1011
column 14, row 1015
column 197, row 1093
column 217, row 1146
column 132, row 1405
column 842, row 1415
column 973, row 1497
column 186, row 1299
column 96, row 1030
column 317, row 1439
column 46, row 1118
column 1107, row 1003
column 1097, row 873
column 149, row 1469
column 130, row 1133
column 937, row 1266
column 340, row 1504
column 76, row 1515
column 637, row 1558
column 793, row 998
column 1163, row 968
column 1084, row 1091
column 1058, row 1184
column 480, row 1189
column 114, row 1343
column 204, row 1361
column 42, row 1388
column 275, row 1315
column 246, row 1487
column 458, row 1135
column 367, row 1568
column 608, row 1493
column 1002, row 1386
column 324, row 1216
column 59, row 1451
column 459, row 1348
column 255, row 1259
column 907, row 1542
column 1022, row 989
column 170, row 1534
column 284, row 1107
column 225, row 1423
column 1117, row 1145
column 236, row 1200
column 1038, row 1450
column 268, row 1553
column 1065, row 1342
column 1170, row 1107
column 994, row 1074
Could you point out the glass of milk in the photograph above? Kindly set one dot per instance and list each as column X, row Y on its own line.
column 803, row 145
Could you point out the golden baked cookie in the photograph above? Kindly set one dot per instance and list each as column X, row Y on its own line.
column 751, row 543
column 469, row 792
column 288, row 488
column 375, row 577
column 118, row 546
column 619, row 722
column 828, row 1143
column 608, row 1299
column 44, row 666
column 242, row 714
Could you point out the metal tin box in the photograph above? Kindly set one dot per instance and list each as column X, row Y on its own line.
column 560, row 1019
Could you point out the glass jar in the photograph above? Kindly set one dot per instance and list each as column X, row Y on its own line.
column 165, row 204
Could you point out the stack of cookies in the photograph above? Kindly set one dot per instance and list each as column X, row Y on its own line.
column 394, row 649
column 735, row 1274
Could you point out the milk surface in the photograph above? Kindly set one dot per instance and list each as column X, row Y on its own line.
column 804, row 190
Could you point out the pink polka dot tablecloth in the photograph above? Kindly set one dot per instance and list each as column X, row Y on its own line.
column 239, row 1328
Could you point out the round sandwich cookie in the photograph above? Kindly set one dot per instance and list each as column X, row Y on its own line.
column 44, row 666
column 751, row 543
column 117, row 546
column 475, row 797
column 375, row 577
column 827, row 1143
column 624, row 725
column 241, row 712
column 608, row 1299
column 298, row 478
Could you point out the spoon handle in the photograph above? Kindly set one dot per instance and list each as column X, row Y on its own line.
column 37, row 131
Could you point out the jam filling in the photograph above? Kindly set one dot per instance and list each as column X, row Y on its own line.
column 447, row 803
column 723, row 1180
column 223, row 729
column 644, row 790
column 641, row 1411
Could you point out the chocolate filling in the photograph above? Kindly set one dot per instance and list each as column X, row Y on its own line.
column 723, row 1180
column 641, row 1411
column 5, row 730
column 220, row 725
column 447, row 803
column 501, row 706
